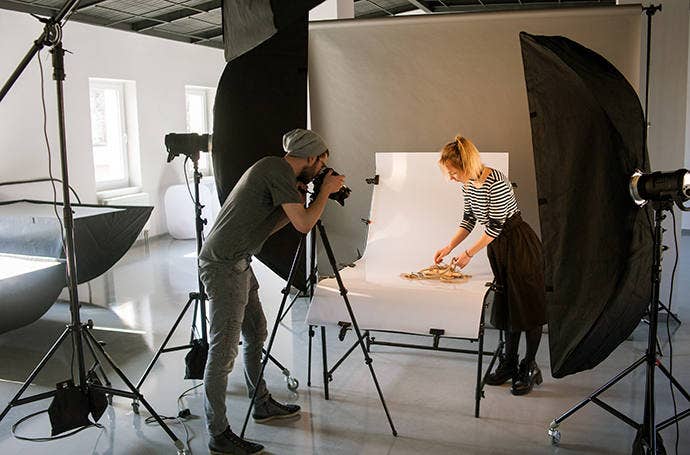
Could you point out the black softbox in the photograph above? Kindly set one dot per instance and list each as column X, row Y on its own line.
column 261, row 95
column 588, row 134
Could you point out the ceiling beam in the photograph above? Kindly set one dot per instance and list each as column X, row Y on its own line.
column 421, row 4
column 542, row 5
column 28, row 8
column 184, row 11
column 207, row 34
column 84, row 4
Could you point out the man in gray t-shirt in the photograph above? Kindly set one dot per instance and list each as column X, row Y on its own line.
column 265, row 199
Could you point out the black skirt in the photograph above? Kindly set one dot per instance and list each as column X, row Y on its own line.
column 518, row 265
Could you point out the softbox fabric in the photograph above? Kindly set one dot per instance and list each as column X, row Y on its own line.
column 248, row 23
column 261, row 95
column 588, row 138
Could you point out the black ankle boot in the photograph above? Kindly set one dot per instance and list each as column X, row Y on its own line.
column 507, row 369
column 528, row 375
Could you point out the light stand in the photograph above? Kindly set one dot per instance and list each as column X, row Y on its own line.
column 198, row 298
column 52, row 36
column 649, row 427
column 343, row 292
column 661, row 200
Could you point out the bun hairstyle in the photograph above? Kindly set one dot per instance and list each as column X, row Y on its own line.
column 462, row 154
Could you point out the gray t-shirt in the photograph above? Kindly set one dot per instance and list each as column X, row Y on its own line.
column 251, row 211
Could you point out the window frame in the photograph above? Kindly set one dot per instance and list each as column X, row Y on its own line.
column 209, row 95
column 120, row 86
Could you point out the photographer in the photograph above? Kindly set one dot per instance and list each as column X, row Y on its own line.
column 265, row 199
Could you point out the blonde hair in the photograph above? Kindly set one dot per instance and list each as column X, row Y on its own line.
column 462, row 154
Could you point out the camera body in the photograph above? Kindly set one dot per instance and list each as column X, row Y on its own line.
column 188, row 144
column 339, row 196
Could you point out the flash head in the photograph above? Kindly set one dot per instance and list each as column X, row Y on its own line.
column 660, row 186
column 188, row 144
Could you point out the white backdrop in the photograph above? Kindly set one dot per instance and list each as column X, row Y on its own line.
column 415, row 211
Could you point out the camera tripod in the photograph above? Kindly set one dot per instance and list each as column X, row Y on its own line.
column 343, row 292
column 648, row 429
column 79, row 332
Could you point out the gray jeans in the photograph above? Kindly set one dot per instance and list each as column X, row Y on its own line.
column 234, row 308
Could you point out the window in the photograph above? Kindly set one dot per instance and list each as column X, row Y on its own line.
column 112, row 114
column 199, row 102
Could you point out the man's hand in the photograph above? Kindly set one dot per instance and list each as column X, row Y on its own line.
column 332, row 183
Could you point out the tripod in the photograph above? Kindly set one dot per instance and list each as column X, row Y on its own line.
column 649, row 427
column 198, row 298
column 343, row 292
column 80, row 332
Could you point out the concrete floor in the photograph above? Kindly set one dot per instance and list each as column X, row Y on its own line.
column 430, row 394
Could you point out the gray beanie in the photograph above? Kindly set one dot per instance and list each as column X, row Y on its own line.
column 303, row 143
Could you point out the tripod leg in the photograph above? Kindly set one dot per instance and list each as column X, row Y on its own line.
column 600, row 390
column 135, row 392
column 478, row 391
column 286, row 293
column 164, row 344
column 311, row 338
column 36, row 370
column 324, row 358
column 360, row 338
column 674, row 381
column 194, row 315
column 97, row 364
column 292, row 383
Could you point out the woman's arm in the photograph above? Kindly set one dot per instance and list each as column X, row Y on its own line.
column 459, row 236
column 464, row 259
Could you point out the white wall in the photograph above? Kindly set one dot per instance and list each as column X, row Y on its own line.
column 668, row 106
column 160, row 68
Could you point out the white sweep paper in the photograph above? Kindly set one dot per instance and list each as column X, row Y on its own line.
column 415, row 211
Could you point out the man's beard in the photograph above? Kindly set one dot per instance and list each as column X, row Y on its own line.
column 308, row 173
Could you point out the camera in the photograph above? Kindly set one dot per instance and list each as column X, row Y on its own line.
column 188, row 144
column 339, row 196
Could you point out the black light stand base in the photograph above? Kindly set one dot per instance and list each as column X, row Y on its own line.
column 84, row 333
column 649, row 428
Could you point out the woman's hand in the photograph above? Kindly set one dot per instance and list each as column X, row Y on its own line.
column 440, row 254
column 462, row 260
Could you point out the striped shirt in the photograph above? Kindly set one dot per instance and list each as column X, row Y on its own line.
column 491, row 204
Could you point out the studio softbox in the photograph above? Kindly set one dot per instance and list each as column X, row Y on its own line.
column 261, row 95
column 588, row 135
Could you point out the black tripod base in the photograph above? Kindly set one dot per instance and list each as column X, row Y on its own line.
column 83, row 333
column 641, row 445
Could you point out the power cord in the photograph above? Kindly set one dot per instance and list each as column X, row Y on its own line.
column 183, row 414
column 48, row 439
column 668, row 329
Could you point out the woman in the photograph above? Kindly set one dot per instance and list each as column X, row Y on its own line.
column 515, row 256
